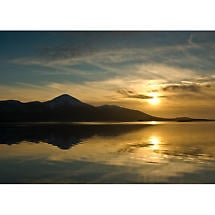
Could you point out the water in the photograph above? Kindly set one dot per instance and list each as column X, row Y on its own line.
column 153, row 152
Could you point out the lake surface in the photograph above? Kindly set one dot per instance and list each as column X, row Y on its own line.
column 152, row 152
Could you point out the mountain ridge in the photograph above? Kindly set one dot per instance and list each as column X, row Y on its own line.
column 68, row 108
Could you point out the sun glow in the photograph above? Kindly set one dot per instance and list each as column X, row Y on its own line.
column 154, row 100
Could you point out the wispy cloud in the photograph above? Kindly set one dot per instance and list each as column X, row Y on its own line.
column 132, row 94
column 128, row 93
column 182, row 87
column 69, row 56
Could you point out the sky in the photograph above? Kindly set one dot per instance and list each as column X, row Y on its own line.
column 165, row 74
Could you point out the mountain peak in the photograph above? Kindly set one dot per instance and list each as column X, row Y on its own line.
column 65, row 99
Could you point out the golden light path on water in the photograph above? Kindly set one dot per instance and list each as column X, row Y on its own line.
column 153, row 122
column 155, row 142
column 154, row 151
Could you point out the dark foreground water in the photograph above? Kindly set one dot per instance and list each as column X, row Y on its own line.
column 108, row 153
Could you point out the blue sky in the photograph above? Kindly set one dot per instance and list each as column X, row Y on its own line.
column 122, row 68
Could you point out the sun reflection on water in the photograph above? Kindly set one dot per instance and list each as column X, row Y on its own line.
column 153, row 122
column 154, row 141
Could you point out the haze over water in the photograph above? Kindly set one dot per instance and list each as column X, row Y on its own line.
column 151, row 152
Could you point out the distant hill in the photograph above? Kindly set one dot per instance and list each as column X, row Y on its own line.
column 188, row 119
column 67, row 108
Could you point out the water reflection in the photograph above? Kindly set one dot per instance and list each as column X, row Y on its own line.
column 154, row 141
column 61, row 135
column 153, row 122
column 116, row 153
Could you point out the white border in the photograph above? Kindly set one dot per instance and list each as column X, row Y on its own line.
column 107, row 15
column 107, row 199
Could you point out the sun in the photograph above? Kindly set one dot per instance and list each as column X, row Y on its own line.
column 154, row 100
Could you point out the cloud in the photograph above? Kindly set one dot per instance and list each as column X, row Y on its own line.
column 132, row 94
column 198, row 85
column 72, row 56
column 191, row 91
column 168, row 64
column 182, row 87
column 128, row 93
column 148, row 56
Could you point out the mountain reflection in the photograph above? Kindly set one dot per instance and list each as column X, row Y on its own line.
column 60, row 135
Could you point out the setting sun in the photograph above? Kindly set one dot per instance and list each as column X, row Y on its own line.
column 154, row 100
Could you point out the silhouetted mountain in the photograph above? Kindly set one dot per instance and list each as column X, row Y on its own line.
column 188, row 119
column 66, row 108
column 123, row 114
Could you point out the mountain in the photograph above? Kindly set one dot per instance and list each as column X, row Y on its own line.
column 67, row 108
column 65, row 100
column 124, row 114
column 188, row 119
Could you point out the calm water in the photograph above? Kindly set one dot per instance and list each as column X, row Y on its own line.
column 108, row 153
